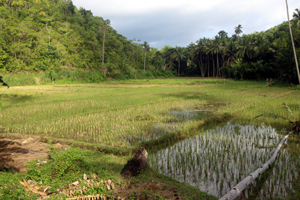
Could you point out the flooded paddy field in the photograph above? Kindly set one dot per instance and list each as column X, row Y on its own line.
column 216, row 160
column 176, row 119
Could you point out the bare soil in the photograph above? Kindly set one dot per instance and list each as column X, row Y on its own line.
column 15, row 153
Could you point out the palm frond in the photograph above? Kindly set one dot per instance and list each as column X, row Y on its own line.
column 271, row 115
column 289, row 110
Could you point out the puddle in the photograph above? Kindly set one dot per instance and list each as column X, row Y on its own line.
column 178, row 119
column 218, row 159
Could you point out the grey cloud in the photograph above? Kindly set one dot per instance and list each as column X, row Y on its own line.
column 171, row 27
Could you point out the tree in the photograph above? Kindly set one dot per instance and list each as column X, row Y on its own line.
column 146, row 49
column 223, row 34
column 178, row 55
column 238, row 30
column 215, row 49
column 245, row 49
column 296, row 17
column 105, row 26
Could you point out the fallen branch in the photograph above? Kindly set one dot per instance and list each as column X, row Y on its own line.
column 237, row 190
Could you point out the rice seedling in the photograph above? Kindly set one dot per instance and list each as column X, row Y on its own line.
column 247, row 147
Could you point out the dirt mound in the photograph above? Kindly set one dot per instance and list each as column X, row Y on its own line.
column 15, row 153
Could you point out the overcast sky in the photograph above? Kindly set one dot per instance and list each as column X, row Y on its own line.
column 181, row 22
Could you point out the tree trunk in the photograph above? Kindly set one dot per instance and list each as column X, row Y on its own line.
column 238, row 189
column 295, row 55
column 145, row 61
column 103, row 51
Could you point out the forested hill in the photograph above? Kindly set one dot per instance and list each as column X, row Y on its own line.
column 38, row 35
column 55, row 35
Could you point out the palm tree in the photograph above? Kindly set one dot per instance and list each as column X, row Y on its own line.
column 296, row 17
column 146, row 49
column 199, row 51
column 238, row 30
column 217, row 48
column 207, row 47
column 229, row 51
column 178, row 55
column 104, row 27
column 246, row 49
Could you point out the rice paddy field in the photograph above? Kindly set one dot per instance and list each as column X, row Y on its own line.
column 198, row 131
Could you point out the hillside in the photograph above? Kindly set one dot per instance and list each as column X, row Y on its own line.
column 54, row 34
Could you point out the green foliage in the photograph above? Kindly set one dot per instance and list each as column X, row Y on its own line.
column 11, row 189
column 63, row 167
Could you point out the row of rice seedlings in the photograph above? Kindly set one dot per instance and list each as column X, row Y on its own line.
column 39, row 112
column 116, row 127
column 218, row 159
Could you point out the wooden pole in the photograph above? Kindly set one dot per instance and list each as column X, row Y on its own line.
column 238, row 189
column 292, row 39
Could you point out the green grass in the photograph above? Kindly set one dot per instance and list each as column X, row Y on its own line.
column 113, row 116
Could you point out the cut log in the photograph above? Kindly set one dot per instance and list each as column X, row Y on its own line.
column 238, row 189
column 137, row 163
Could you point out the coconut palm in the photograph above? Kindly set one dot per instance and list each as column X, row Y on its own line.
column 238, row 30
column 246, row 49
column 296, row 17
column 178, row 55
column 199, row 50
column 216, row 49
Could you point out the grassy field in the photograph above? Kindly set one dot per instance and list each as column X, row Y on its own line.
column 120, row 116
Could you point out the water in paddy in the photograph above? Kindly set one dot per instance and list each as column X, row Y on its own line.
column 179, row 119
column 218, row 159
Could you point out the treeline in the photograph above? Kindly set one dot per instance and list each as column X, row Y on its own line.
column 54, row 36
column 257, row 56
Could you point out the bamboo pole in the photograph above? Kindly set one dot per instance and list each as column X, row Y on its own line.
column 237, row 190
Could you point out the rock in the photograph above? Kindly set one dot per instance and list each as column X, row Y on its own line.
column 58, row 146
column 84, row 177
column 137, row 163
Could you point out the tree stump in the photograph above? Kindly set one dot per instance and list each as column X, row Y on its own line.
column 296, row 126
column 137, row 163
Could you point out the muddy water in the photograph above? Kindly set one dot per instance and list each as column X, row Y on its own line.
column 218, row 159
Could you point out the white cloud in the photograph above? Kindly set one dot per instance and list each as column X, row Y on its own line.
column 180, row 22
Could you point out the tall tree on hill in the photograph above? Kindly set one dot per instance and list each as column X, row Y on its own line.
column 146, row 49
column 105, row 26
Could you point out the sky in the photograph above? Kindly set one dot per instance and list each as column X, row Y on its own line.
column 181, row 22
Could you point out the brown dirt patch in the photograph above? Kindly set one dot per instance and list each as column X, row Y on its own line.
column 15, row 153
column 147, row 191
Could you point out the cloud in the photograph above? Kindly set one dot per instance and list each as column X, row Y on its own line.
column 180, row 22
